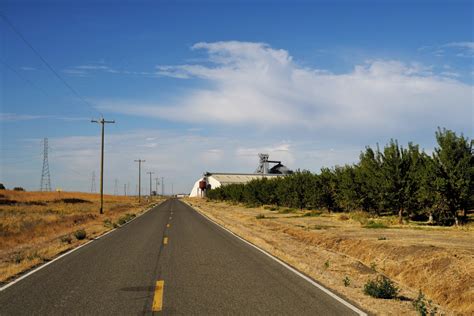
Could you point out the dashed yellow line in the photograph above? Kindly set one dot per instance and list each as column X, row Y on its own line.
column 158, row 298
column 165, row 241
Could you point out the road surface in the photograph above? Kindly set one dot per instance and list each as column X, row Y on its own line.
column 171, row 260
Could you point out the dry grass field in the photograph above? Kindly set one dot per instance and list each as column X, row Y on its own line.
column 332, row 248
column 37, row 226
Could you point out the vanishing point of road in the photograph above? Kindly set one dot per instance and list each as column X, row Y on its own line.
column 171, row 260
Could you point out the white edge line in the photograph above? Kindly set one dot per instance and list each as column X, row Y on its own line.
column 319, row 286
column 68, row 252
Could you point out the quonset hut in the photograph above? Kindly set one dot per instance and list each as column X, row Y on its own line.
column 212, row 180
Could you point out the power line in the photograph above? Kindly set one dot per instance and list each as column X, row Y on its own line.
column 24, row 78
column 45, row 62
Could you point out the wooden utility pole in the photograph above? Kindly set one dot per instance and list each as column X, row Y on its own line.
column 150, row 173
column 139, row 177
column 102, row 122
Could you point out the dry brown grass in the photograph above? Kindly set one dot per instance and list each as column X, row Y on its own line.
column 329, row 247
column 37, row 226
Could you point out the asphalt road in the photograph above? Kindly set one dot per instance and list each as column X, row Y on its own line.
column 201, row 269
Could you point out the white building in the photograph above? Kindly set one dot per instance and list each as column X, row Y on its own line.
column 215, row 180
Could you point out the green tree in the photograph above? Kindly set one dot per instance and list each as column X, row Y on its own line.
column 326, row 193
column 395, row 172
column 368, row 175
column 453, row 165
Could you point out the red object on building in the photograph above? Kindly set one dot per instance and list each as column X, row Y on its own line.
column 202, row 185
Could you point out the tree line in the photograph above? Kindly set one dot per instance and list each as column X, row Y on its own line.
column 394, row 180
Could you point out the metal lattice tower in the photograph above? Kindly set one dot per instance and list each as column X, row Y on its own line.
column 93, row 189
column 45, row 176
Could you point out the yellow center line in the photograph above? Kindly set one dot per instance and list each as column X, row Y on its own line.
column 158, row 298
column 165, row 241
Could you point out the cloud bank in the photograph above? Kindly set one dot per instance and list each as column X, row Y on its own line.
column 252, row 83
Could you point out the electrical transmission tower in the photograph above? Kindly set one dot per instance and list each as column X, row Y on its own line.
column 45, row 176
column 116, row 183
column 93, row 188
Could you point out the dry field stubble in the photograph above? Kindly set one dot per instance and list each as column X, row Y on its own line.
column 333, row 247
column 37, row 226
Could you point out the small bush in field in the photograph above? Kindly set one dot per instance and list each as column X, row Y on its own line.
column 18, row 189
column 260, row 216
column 80, row 234
column 346, row 281
column 2, row 187
column 67, row 239
column 343, row 217
column 381, row 287
column 326, row 264
column 108, row 223
column 423, row 307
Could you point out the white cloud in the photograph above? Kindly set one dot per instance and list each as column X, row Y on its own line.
column 467, row 47
column 27, row 68
column 254, row 84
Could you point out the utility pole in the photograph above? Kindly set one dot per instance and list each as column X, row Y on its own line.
column 102, row 122
column 172, row 189
column 156, row 184
column 139, row 178
column 150, row 173
column 116, row 183
column 125, row 189
column 162, row 186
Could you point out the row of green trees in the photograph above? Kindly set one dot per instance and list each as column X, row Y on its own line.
column 395, row 180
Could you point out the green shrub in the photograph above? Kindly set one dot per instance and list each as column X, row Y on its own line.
column 346, row 281
column 18, row 257
column 423, row 307
column 381, row 287
column 326, row 264
column 18, row 189
column 108, row 223
column 260, row 216
column 67, row 239
column 382, row 238
column 80, row 234
column 373, row 266
column 126, row 218
column 2, row 187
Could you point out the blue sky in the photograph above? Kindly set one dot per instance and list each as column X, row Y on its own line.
column 205, row 85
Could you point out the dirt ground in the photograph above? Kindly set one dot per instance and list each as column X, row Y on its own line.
column 332, row 247
column 37, row 226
